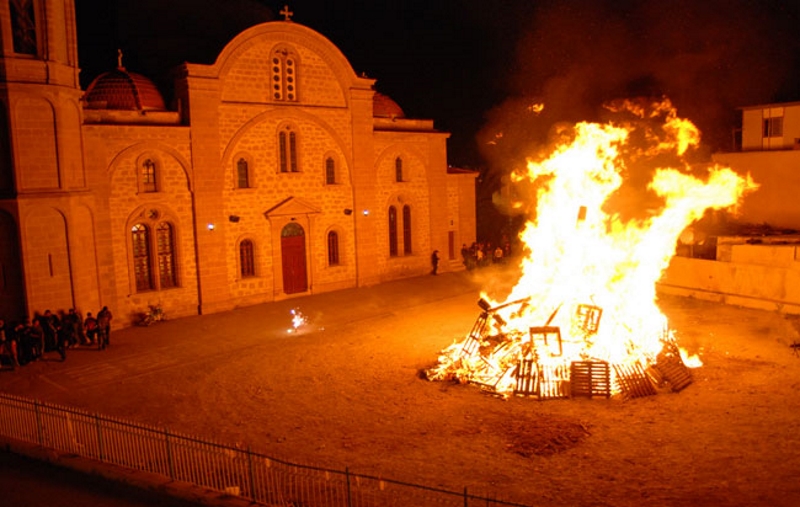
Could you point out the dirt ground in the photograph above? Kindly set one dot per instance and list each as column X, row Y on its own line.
column 345, row 391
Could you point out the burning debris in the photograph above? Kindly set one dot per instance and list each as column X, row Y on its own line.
column 298, row 320
column 582, row 319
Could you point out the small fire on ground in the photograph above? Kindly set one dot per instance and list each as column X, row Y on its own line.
column 608, row 204
column 298, row 321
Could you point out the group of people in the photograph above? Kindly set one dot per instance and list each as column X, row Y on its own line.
column 481, row 254
column 28, row 341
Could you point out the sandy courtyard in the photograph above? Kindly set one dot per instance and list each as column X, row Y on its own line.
column 345, row 392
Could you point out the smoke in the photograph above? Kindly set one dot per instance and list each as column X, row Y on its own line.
column 708, row 58
column 572, row 58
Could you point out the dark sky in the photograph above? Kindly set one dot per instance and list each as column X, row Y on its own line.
column 474, row 66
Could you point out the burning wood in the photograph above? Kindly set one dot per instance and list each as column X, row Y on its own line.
column 582, row 319
column 495, row 358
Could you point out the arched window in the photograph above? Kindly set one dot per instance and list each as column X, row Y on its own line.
column 392, row 231
column 23, row 27
column 242, row 173
column 284, row 74
column 406, row 230
column 330, row 171
column 247, row 265
column 148, row 176
column 287, row 150
column 154, row 256
column 398, row 169
column 140, row 236
column 333, row 248
column 166, row 256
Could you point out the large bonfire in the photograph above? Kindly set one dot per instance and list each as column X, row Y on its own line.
column 587, row 289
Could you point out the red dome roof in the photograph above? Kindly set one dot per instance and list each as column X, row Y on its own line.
column 385, row 107
column 123, row 90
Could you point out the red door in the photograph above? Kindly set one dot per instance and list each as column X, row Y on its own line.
column 293, row 255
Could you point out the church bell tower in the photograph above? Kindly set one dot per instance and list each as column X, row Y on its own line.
column 41, row 162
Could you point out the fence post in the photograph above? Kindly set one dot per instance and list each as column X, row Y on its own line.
column 466, row 497
column 99, row 437
column 349, row 497
column 39, row 428
column 169, row 455
column 252, row 475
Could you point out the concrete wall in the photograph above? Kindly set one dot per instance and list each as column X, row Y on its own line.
column 748, row 280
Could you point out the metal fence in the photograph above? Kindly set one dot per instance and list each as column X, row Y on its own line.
column 238, row 472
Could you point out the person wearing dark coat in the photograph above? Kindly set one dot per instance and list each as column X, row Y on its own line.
column 435, row 262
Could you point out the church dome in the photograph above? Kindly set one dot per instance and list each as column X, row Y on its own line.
column 123, row 90
column 384, row 107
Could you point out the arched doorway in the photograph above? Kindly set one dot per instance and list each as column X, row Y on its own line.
column 293, row 256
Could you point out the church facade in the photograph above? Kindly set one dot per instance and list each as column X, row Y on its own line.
column 279, row 172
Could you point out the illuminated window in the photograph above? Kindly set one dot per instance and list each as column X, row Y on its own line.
column 406, row 230
column 398, row 169
column 242, row 174
column 148, row 178
column 773, row 127
column 333, row 248
column 166, row 256
column 247, row 265
column 284, row 74
column 140, row 236
column 330, row 171
column 287, row 150
column 392, row 231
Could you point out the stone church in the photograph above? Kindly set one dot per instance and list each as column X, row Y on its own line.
column 278, row 172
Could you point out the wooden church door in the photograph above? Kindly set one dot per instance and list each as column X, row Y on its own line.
column 293, row 256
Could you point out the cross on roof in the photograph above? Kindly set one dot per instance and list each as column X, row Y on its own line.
column 287, row 14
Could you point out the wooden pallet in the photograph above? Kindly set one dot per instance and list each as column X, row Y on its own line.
column 473, row 341
column 633, row 381
column 527, row 376
column 543, row 381
column 588, row 318
column 547, row 339
column 673, row 371
column 554, row 382
column 589, row 379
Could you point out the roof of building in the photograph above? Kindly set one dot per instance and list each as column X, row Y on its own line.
column 461, row 170
column 384, row 107
column 120, row 89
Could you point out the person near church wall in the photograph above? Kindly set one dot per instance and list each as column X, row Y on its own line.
column 104, row 317
column 435, row 261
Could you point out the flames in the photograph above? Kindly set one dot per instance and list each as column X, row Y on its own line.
column 298, row 320
column 589, row 271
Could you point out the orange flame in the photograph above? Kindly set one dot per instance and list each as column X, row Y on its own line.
column 582, row 259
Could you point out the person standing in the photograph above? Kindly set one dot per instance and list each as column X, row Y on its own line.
column 50, row 325
column 435, row 261
column 90, row 325
column 8, row 345
column 36, row 335
column 104, row 317
column 69, row 323
column 62, row 342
